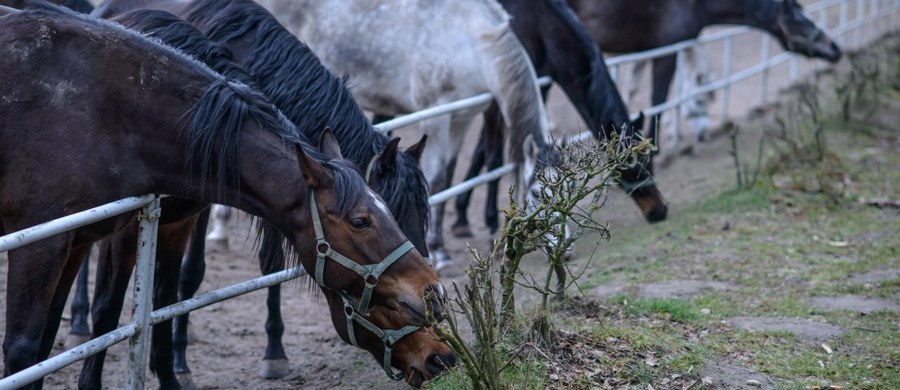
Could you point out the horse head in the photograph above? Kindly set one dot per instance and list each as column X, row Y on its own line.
column 359, row 251
column 637, row 180
column 416, row 351
column 799, row 34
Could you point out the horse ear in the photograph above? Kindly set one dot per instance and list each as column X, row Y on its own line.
column 315, row 174
column 638, row 124
column 388, row 158
column 529, row 149
column 416, row 150
column 329, row 146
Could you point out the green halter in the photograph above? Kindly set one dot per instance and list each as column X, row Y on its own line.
column 369, row 272
column 388, row 336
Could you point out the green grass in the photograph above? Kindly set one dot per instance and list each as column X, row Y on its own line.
column 781, row 248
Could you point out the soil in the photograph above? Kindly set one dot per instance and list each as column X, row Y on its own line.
column 807, row 330
column 230, row 338
column 855, row 303
column 729, row 376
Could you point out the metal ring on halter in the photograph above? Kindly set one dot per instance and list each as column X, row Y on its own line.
column 389, row 337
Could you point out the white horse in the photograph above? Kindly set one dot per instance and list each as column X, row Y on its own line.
column 402, row 56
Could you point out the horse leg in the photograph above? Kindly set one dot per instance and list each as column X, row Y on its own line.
column 33, row 274
column 275, row 362
column 494, row 155
column 173, row 240
column 663, row 70
column 220, row 216
column 461, row 227
column 80, row 331
column 115, row 263
column 438, row 154
column 193, row 268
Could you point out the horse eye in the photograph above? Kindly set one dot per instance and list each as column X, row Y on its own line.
column 359, row 223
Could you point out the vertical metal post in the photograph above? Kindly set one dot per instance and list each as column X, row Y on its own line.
column 726, row 75
column 680, row 72
column 842, row 21
column 860, row 8
column 614, row 73
column 143, row 295
column 764, row 60
column 873, row 10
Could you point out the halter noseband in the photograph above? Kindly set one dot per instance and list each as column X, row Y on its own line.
column 793, row 40
column 370, row 274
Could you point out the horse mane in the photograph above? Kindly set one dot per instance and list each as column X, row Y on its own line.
column 603, row 97
column 184, row 36
column 513, row 81
column 312, row 97
column 220, row 115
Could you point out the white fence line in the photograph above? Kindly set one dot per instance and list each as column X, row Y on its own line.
column 876, row 12
column 137, row 331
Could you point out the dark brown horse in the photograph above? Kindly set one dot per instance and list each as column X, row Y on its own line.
column 314, row 80
column 135, row 117
column 624, row 26
column 561, row 48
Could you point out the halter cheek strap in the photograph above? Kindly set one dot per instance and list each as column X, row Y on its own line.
column 388, row 336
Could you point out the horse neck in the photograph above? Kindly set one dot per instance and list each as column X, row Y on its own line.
column 576, row 64
column 316, row 101
column 513, row 81
column 754, row 13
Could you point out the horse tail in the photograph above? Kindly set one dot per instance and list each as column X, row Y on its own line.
column 510, row 76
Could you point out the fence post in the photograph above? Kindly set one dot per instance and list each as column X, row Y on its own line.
column 143, row 295
column 680, row 74
column 842, row 22
column 764, row 60
column 726, row 75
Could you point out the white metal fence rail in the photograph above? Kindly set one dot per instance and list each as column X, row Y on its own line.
column 870, row 18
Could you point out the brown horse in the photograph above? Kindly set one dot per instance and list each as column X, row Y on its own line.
column 117, row 257
column 116, row 115
column 624, row 26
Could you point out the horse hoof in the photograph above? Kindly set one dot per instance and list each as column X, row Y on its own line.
column 186, row 380
column 74, row 340
column 274, row 368
column 461, row 231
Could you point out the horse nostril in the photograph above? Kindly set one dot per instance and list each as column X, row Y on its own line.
column 437, row 364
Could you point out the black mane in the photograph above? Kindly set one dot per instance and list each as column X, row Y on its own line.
column 184, row 36
column 220, row 114
column 313, row 98
column 602, row 92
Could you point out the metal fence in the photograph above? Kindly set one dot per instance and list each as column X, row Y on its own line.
column 870, row 17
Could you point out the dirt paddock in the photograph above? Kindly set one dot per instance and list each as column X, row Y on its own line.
column 230, row 338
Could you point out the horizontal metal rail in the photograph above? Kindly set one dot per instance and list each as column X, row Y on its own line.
column 10, row 241
column 61, row 225
column 123, row 333
column 444, row 109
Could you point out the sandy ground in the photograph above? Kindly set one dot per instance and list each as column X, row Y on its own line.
column 230, row 335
